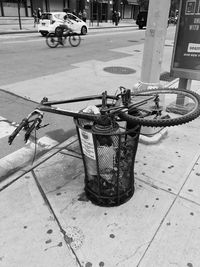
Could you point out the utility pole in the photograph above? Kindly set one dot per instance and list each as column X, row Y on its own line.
column 154, row 44
column 155, row 34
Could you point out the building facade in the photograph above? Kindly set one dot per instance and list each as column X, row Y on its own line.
column 97, row 10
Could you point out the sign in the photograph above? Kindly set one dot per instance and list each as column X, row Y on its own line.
column 186, row 53
column 87, row 144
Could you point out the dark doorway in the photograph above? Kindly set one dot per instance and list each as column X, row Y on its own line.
column 99, row 12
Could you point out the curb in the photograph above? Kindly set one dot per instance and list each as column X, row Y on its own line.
column 90, row 28
column 17, row 32
column 16, row 174
column 24, row 156
column 154, row 138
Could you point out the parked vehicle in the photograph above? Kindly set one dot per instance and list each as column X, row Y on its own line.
column 142, row 19
column 50, row 20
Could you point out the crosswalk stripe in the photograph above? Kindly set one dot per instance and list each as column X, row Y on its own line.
column 6, row 128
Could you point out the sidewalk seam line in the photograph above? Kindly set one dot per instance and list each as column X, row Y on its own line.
column 187, row 174
column 46, row 200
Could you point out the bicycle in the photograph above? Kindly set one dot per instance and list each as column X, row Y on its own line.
column 144, row 108
column 60, row 37
column 108, row 133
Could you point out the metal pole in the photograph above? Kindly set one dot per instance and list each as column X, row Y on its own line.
column 97, row 13
column 155, row 34
column 19, row 15
column 2, row 10
column 183, row 84
column 108, row 11
column 92, row 11
column 154, row 43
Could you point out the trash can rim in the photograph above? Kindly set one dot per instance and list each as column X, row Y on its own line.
column 135, row 129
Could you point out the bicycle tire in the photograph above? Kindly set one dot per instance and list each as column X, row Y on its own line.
column 74, row 40
column 52, row 40
column 160, row 122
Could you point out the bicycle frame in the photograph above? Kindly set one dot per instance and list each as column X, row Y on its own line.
column 47, row 105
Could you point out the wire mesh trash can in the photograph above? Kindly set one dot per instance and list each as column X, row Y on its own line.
column 108, row 154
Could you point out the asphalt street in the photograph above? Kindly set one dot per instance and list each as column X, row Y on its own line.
column 43, row 61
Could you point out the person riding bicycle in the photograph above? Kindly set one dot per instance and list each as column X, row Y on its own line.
column 63, row 27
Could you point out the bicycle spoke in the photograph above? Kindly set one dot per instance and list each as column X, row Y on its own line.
column 52, row 40
column 165, row 108
column 74, row 40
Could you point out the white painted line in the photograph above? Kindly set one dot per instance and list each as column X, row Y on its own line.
column 5, row 128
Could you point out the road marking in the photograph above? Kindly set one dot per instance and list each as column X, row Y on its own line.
column 5, row 127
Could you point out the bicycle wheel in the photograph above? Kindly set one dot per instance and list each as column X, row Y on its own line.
column 162, row 107
column 74, row 40
column 52, row 40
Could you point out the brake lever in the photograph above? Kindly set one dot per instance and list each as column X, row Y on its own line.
column 31, row 128
column 36, row 124
column 41, row 126
column 23, row 124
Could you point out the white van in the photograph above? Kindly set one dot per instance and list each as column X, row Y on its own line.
column 50, row 20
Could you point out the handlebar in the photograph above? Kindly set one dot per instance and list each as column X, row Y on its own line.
column 35, row 125
column 25, row 125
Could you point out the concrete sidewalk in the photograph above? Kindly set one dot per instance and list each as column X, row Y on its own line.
column 46, row 220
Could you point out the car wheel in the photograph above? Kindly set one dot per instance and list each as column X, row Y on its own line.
column 83, row 30
column 44, row 33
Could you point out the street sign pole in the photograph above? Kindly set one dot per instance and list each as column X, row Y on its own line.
column 186, row 52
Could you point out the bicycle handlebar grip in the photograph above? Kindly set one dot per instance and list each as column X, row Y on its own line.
column 17, row 130
column 31, row 128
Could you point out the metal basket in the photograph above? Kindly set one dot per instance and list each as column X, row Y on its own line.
column 108, row 154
